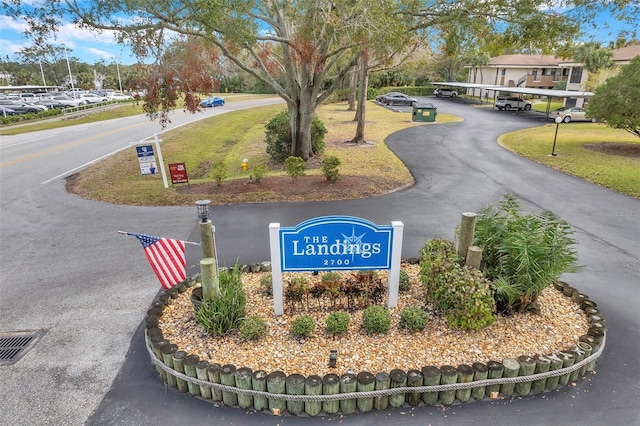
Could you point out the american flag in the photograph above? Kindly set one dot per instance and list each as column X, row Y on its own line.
column 166, row 257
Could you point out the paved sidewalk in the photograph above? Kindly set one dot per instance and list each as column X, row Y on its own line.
column 458, row 167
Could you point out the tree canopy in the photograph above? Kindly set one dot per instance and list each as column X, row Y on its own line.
column 617, row 101
column 303, row 49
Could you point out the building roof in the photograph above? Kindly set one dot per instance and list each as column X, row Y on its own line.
column 525, row 60
column 626, row 53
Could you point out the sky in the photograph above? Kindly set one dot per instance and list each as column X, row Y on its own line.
column 91, row 48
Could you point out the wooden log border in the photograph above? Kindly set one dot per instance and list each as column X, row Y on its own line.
column 361, row 392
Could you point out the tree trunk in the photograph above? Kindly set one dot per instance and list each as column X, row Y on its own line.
column 353, row 85
column 363, row 80
column 300, row 117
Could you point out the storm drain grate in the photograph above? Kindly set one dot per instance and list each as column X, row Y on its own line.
column 14, row 345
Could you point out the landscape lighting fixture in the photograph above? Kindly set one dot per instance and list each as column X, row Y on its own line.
column 203, row 209
column 333, row 357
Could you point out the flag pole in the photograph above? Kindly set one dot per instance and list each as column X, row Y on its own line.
column 186, row 242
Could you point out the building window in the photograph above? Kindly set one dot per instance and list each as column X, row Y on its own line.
column 554, row 74
column 534, row 73
column 576, row 75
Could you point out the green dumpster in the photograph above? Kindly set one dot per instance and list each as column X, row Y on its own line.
column 424, row 112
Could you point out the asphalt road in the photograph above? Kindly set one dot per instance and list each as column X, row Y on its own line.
column 65, row 270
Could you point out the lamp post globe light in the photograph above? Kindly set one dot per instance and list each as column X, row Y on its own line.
column 558, row 120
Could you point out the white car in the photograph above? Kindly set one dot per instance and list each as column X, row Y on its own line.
column 92, row 98
column 445, row 92
column 570, row 114
column 512, row 103
column 118, row 97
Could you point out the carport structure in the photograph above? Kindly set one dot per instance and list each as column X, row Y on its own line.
column 548, row 93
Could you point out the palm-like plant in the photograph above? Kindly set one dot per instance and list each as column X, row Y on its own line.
column 523, row 253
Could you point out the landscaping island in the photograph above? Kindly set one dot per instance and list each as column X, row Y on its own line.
column 566, row 329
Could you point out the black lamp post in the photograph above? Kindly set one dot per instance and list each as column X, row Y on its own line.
column 558, row 120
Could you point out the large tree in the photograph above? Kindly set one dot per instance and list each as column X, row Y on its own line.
column 301, row 49
column 617, row 102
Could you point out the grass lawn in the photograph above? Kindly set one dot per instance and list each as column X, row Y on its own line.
column 125, row 109
column 231, row 137
column 616, row 172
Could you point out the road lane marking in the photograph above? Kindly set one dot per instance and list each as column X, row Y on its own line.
column 66, row 146
column 68, row 172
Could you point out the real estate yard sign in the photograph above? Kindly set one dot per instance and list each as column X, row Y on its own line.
column 331, row 243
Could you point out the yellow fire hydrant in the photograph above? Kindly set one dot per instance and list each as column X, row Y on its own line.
column 245, row 164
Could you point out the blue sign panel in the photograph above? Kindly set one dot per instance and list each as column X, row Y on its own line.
column 335, row 243
column 144, row 152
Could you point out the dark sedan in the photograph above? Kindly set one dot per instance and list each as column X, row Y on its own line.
column 21, row 107
column 6, row 111
column 396, row 98
column 51, row 103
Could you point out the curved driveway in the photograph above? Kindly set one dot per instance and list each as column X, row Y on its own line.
column 458, row 167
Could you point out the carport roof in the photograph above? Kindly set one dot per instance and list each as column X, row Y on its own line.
column 527, row 90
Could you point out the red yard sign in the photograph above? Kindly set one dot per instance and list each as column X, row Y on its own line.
column 178, row 173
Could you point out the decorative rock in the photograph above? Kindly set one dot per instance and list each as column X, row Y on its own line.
column 266, row 266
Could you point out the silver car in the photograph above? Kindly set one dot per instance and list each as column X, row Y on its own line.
column 569, row 114
column 512, row 103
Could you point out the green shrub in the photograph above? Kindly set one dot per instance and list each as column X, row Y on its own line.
column 266, row 285
column 437, row 257
column 259, row 172
column 330, row 168
column 338, row 322
column 466, row 298
column 223, row 314
column 220, row 172
column 413, row 318
column 405, row 282
column 303, row 326
column 376, row 319
column 524, row 253
column 253, row 328
column 295, row 167
column 278, row 136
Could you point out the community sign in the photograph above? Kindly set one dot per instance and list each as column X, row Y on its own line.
column 332, row 243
